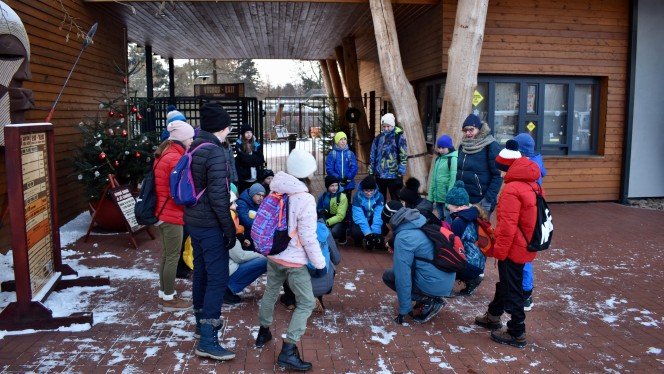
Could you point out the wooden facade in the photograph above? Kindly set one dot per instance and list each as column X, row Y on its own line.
column 94, row 80
column 588, row 38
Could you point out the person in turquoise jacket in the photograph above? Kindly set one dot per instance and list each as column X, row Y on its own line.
column 389, row 157
column 368, row 204
column 414, row 280
column 444, row 174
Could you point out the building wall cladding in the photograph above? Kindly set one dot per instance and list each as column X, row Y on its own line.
column 588, row 38
column 95, row 79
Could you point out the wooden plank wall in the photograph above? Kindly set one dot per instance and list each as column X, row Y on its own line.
column 586, row 38
column 93, row 80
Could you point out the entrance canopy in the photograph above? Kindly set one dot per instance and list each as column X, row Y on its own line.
column 307, row 30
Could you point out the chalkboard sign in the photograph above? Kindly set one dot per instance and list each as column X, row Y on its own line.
column 126, row 201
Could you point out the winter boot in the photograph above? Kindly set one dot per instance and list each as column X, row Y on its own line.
column 264, row 336
column 528, row 301
column 289, row 358
column 471, row 285
column 430, row 309
column 230, row 298
column 171, row 303
column 208, row 345
column 197, row 314
column 489, row 321
column 504, row 337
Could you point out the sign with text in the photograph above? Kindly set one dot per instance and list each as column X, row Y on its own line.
column 219, row 90
column 126, row 202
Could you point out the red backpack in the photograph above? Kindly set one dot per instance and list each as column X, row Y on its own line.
column 448, row 252
column 486, row 237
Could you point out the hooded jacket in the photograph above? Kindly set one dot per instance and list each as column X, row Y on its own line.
column 246, row 161
column 304, row 246
column 367, row 210
column 210, row 170
column 335, row 204
column 342, row 163
column 164, row 165
column 517, row 208
column 465, row 227
column 478, row 170
column 323, row 285
column 244, row 205
column 443, row 176
column 410, row 242
column 383, row 161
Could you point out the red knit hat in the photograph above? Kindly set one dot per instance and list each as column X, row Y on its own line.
column 507, row 156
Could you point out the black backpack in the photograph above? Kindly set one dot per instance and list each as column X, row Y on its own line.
column 448, row 252
column 543, row 233
column 146, row 201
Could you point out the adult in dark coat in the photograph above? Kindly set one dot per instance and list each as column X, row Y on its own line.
column 477, row 163
column 249, row 158
column 211, row 228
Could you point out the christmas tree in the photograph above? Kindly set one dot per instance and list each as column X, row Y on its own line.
column 112, row 145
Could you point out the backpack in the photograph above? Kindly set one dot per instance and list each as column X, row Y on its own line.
column 270, row 228
column 183, row 191
column 543, row 233
column 146, row 201
column 448, row 252
column 486, row 237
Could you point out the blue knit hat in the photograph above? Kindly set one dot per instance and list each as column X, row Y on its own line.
column 457, row 195
column 445, row 142
column 526, row 144
column 472, row 120
column 173, row 115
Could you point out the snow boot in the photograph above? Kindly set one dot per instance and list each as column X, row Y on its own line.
column 489, row 321
column 197, row 314
column 264, row 336
column 504, row 337
column 289, row 358
column 208, row 345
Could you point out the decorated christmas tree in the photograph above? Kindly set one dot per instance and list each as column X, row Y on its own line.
column 113, row 145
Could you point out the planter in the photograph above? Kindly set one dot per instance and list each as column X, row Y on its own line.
column 110, row 217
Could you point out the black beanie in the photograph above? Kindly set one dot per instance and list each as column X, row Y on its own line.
column 368, row 183
column 409, row 196
column 389, row 209
column 244, row 128
column 214, row 118
column 330, row 179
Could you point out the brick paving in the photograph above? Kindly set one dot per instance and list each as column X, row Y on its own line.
column 598, row 308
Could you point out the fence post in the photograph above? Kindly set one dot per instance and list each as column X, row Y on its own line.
column 292, row 140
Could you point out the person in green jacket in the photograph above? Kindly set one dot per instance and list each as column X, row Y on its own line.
column 333, row 205
column 444, row 175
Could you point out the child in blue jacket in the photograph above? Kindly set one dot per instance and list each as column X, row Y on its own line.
column 368, row 205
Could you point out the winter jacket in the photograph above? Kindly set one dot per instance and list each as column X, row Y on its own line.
column 443, row 176
column 164, row 165
column 237, row 256
column 383, row 161
column 245, row 161
column 517, row 208
column 479, row 174
column 410, row 242
column 342, row 164
column 323, row 285
column 335, row 204
column 244, row 205
column 232, row 170
column 465, row 227
column 540, row 162
column 210, row 170
column 367, row 211
column 303, row 246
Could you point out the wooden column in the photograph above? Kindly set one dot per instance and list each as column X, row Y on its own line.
column 352, row 78
column 339, row 96
column 339, row 53
column 399, row 88
column 326, row 77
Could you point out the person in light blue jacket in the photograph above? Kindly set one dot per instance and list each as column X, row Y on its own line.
column 414, row 280
column 367, row 224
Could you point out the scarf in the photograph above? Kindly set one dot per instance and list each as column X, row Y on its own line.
column 483, row 139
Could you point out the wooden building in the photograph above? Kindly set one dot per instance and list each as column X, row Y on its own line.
column 582, row 75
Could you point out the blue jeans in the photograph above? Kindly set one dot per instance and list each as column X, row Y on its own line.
column 210, row 270
column 528, row 276
column 247, row 273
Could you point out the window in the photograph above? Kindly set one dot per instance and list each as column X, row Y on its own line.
column 559, row 113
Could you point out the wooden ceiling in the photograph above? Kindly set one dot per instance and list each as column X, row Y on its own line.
column 307, row 30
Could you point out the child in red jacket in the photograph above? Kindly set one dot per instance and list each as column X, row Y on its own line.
column 516, row 211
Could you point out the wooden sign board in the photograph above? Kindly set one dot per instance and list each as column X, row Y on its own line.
column 35, row 231
column 126, row 202
column 219, row 90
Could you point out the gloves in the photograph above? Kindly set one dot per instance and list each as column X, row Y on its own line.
column 399, row 319
column 230, row 243
column 345, row 181
column 317, row 273
column 399, row 182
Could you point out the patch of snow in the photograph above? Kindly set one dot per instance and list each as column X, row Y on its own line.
column 382, row 336
column 654, row 351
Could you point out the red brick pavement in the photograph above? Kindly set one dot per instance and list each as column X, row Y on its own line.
column 598, row 308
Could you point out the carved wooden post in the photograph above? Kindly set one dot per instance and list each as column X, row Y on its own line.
column 399, row 88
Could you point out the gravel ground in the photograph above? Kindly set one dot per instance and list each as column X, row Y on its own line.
column 651, row 203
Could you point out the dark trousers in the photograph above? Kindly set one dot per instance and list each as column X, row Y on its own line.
column 469, row 273
column 356, row 233
column 339, row 231
column 509, row 296
column 388, row 184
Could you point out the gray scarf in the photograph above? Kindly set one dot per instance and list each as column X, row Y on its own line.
column 484, row 138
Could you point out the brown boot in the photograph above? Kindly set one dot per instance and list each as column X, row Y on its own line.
column 504, row 337
column 174, row 305
column 489, row 321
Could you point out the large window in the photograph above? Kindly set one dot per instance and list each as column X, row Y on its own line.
column 560, row 113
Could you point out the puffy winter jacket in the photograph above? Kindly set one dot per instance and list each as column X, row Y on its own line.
column 323, row 285
column 517, row 207
column 210, row 170
column 303, row 246
column 443, row 176
column 367, row 210
column 479, row 174
column 245, row 161
column 342, row 164
column 232, row 171
column 244, row 205
column 465, row 227
column 335, row 204
column 171, row 213
column 383, row 161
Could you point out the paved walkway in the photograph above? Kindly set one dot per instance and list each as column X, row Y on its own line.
column 598, row 308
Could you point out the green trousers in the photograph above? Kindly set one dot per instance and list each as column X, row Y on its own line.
column 171, row 243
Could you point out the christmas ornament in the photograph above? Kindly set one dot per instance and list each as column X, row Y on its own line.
column 102, row 156
column 124, row 132
column 111, row 113
column 116, row 163
column 121, row 115
column 124, row 81
column 138, row 155
column 110, row 132
column 139, row 117
column 80, row 177
column 134, row 109
column 96, row 174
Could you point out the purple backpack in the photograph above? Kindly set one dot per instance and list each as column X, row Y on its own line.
column 270, row 228
column 183, row 191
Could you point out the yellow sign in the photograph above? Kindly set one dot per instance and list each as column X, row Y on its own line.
column 530, row 126
column 477, row 98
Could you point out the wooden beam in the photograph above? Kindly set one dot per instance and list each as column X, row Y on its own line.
column 399, row 88
column 169, row 2
column 338, row 93
column 352, row 75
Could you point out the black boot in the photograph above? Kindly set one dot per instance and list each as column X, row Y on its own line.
column 289, row 358
column 264, row 336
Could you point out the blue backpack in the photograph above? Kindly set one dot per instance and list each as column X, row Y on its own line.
column 183, row 191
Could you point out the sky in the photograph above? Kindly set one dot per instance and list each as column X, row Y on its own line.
column 277, row 72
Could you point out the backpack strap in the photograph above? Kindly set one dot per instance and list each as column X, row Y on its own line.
column 521, row 229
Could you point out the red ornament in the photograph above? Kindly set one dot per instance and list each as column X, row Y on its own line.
column 134, row 109
column 139, row 117
column 124, row 132
column 124, row 81
column 138, row 155
column 111, row 113
column 121, row 115
column 102, row 156
column 116, row 163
